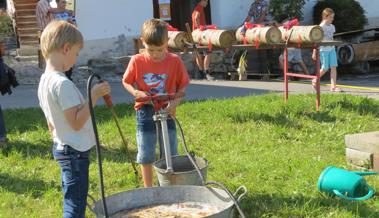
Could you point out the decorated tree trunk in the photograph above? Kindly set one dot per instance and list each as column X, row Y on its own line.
column 218, row 38
column 261, row 35
column 177, row 39
column 303, row 34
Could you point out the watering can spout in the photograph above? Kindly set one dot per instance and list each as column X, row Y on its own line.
column 366, row 173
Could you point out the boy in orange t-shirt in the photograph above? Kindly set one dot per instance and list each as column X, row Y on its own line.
column 155, row 72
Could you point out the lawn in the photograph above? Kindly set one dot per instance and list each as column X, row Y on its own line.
column 277, row 150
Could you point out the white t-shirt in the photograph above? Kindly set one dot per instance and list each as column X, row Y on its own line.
column 56, row 93
column 329, row 31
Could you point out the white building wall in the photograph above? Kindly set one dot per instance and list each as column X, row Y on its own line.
column 108, row 27
column 229, row 14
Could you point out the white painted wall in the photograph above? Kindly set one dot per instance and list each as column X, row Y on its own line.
column 99, row 19
column 108, row 27
column 229, row 14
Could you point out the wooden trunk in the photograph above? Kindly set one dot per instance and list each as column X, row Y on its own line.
column 177, row 39
column 264, row 35
column 353, row 53
column 218, row 38
column 303, row 34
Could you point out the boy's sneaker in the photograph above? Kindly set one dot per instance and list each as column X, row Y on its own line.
column 209, row 77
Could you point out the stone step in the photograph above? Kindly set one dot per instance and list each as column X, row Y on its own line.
column 27, row 24
column 367, row 142
column 27, row 58
column 27, row 37
column 24, row 1
column 26, row 12
column 23, row 6
column 26, row 18
column 27, row 50
column 29, row 43
column 28, row 30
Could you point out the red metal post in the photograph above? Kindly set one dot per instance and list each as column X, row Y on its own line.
column 285, row 71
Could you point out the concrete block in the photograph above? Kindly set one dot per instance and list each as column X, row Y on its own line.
column 367, row 142
column 359, row 158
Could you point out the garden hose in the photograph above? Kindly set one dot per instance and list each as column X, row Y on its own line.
column 98, row 149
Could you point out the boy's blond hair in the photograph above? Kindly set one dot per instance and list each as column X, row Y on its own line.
column 327, row 12
column 57, row 34
column 154, row 32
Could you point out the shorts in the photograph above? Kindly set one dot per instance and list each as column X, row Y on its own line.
column 147, row 135
column 294, row 56
column 328, row 59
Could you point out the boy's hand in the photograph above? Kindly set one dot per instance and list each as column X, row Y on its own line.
column 171, row 108
column 100, row 90
column 140, row 94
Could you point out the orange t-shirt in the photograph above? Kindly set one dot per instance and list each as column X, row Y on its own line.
column 200, row 10
column 163, row 77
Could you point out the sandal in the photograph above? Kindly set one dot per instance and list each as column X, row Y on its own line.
column 335, row 89
column 314, row 83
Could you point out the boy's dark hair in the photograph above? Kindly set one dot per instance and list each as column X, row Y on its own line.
column 154, row 32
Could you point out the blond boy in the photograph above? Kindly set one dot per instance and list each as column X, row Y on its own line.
column 67, row 113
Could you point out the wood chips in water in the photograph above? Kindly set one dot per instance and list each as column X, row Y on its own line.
column 178, row 210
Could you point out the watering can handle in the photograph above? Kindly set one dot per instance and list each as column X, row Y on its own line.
column 369, row 195
column 366, row 173
column 239, row 197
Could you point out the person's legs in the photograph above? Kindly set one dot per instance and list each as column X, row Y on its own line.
column 325, row 65
column 3, row 132
column 333, row 71
column 146, row 140
column 74, row 170
column 207, row 62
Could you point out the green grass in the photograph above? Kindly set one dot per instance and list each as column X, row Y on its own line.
column 277, row 150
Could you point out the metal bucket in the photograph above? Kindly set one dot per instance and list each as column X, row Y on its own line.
column 184, row 171
column 144, row 197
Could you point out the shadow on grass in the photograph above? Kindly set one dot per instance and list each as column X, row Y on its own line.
column 278, row 119
column 301, row 206
column 320, row 117
column 35, row 187
column 42, row 149
column 363, row 107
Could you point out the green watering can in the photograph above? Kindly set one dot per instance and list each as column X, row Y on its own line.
column 345, row 184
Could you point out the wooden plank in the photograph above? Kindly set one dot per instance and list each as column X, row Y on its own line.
column 359, row 158
column 376, row 162
column 367, row 142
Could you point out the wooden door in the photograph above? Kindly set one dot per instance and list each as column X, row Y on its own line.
column 181, row 11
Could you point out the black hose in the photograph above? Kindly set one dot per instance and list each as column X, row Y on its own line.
column 205, row 183
column 98, row 153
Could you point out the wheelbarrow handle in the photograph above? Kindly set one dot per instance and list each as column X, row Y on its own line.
column 242, row 194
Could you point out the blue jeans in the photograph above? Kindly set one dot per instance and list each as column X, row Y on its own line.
column 147, row 135
column 3, row 132
column 74, row 171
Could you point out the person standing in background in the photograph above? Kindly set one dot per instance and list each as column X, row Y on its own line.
column 203, row 60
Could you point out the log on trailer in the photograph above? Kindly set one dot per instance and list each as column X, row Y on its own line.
column 177, row 39
column 217, row 38
column 263, row 35
column 354, row 53
column 302, row 34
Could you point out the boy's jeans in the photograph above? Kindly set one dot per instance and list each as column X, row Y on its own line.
column 74, row 170
column 3, row 132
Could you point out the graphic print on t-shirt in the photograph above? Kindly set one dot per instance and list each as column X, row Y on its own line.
column 156, row 82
